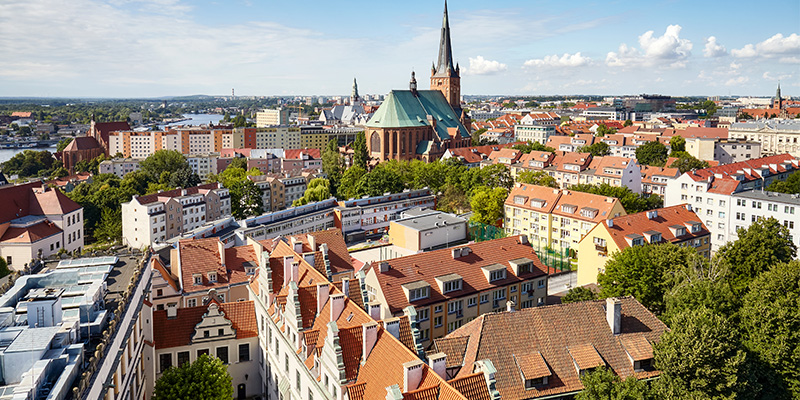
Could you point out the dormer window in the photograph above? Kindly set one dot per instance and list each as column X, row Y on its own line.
column 585, row 358
column 212, row 276
column 639, row 352
column 519, row 199
column 533, row 369
column 653, row 236
column 634, row 239
column 452, row 286
column 417, row 290
column 198, row 279
column 568, row 208
column 588, row 212
column 538, row 203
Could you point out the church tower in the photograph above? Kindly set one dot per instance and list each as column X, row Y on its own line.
column 444, row 76
column 354, row 98
column 778, row 102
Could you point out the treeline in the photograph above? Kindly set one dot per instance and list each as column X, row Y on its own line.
column 733, row 319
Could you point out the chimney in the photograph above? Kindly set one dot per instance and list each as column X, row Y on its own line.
column 523, row 239
column 614, row 314
column 287, row 269
column 383, row 266
column 297, row 245
column 309, row 257
column 456, row 253
column 438, row 362
column 346, row 286
column 374, row 310
column 392, row 325
column 510, row 306
column 610, row 222
column 323, row 291
column 412, row 375
column 369, row 333
column 337, row 306
column 652, row 214
column 312, row 242
column 324, row 249
column 172, row 310
column 295, row 271
column 688, row 207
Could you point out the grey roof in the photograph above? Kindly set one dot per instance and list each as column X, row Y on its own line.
column 429, row 220
column 776, row 197
column 773, row 124
column 33, row 339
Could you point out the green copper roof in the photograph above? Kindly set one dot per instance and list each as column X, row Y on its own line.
column 402, row 109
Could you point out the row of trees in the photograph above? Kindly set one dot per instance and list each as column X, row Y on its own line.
column 791, row 185
column 631, row 202
column 655, row 154
column 733, row 319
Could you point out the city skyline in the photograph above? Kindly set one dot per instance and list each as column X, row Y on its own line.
column 152, row 48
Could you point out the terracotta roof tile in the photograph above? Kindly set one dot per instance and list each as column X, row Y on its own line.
column 30, row 234
column 661, row 222
column 472, row 386
column 585, row 356
column 531, row 365
column 637, row 347
column 178, row 331
column 156, row 264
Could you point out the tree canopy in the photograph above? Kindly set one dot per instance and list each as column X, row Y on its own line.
column 598, row 149
column 317, row 190
column 205, row 379
column 603, row 130
column 487, row 205
column 631, row 202
column 790, row 185
column 360, row 155
column 686, row 162
column 533, row 146
column 677, row 143
column 578, row 293
column 652, row 153
column 602, row 383
column 540, row 178
column 246, row 199
column 169, row 167
column 30, row 163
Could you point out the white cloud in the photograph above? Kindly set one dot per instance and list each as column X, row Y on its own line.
column 737, row 81
column 667, row 50
column 714, row 49
column 567, row 60
column 735, row 65
column 482, row 66
column 776, row 46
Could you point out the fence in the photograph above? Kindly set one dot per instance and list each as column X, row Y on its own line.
column 480, row 232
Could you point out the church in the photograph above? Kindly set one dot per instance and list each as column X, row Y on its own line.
column 422, row 124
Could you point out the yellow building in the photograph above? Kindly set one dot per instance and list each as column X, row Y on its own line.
column 313, row 139
column 556, row 218
column 677, row 224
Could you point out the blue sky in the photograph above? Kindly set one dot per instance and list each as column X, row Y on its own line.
column 148, row 48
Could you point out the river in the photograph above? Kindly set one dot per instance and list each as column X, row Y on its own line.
column 191, row 119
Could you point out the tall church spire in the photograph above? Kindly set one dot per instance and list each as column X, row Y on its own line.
column 444, row 66
column 354, row 98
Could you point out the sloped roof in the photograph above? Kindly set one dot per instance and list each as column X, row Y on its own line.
column 665, row 217
column 498, row 336
column 52, row 202
column 429, row 265
column 178, row 331
column 150, row 198
column 296, row 154
column 104, row 128
column 403, row 109
column 30, row 199
column 82, row 143
column 749, row 170
column 30, row 234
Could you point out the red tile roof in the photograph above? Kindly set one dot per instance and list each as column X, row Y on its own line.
column 31, row 199
column 201, row 256
column 429, row 265
column 178, row 331
column 500, row 336
column 476, row 154
column 724, row 176
column 82, row 143
column 30, row 234
column 295, row 154
column 525, row 196
column 52, row 202
column 662, row 220
column 104, row 128
column 150, row 198
column 703, row 133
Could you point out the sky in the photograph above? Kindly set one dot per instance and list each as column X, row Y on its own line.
column 153, row 48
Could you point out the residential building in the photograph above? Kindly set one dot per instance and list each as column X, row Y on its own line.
column 313, row 137
column 533, row 161
column 473, row 156
column 319, row 343
column 425, row 229
column 267, row 163
column 556, row 218
column 161, row 216
column 616, row 171
column 709, row 190
column 777, row 136
column 311, row 217
column 533, row 133
column 267, row 118
column 119, row 166
column 729, row 151
column 239, row 138
column 299, row 159
column 540, row 359
column 504, row 156
column 655, row 180
column 751, row 205
column 371, row 215
column 447, row 288
column 678, row 225
column 278, row 137
column 227, row 331
column 203, row 164
column 37, row 222
column 272, row 192
column 294, row 188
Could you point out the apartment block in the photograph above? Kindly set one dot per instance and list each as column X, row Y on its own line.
column 777, row 136
column 533, row 133
column 655, row 180
column 751, row 205
column 37, row 222
column 311, row 217
column 203, row 164
column 372, row 215
column 709, row 190
column 678, row 225
column 119, row 166
column 267, row 118
column 447, row 288
column 161, row 216
column 278, row 137
column 571, row 168
column 556, row 218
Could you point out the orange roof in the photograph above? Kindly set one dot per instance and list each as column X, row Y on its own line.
column 570, row 203
column 426, row 267
column 156, row 264
column 581, row 326
column 476, row 154
column 178, row 331
column 201, row 256
column 613, row 163
column 661, row 220
column 725, row 176
column 30, row 234
column 296, row 154
column 33, row 199
column 509, row 153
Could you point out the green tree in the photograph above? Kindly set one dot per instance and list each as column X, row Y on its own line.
column 540, row 178
column 379, row 181
column 238, row 162
column 63, row 143
column 109, row 228
column 349, row 182
column 652, row 153
column 603, row 130
column 476, row 136
column 453, row 200
column 245, row 199
column 487, row 205
column 770, row 318
column 646, row 272
column 702, row 358
column 30, row 163
column 598, row 149
column 360, row 155
column 760, row 246
column 170, row 168
column 790, row 185
column 317, row 190
column 677, row 143
column 184, row 178
column 332, row 164
column 631, row 202
column 495, row 175
column 205, row 379
column 4, row 268
column 59, row 172
column 602, row 383
column 526, row 148
column 578, row 293
column 686, row 162
column 231, row 175
column 627, row 123
column 701, row 285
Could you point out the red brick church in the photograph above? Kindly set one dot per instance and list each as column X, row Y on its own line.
column 92, row 145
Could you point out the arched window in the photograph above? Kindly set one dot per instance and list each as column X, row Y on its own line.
column 375, row 141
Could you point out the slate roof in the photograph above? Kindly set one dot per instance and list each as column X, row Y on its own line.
column 402, row 109
column 558, row 333
column 178, row 331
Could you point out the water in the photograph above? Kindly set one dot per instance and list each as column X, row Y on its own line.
column 6, row 154
column 197, row 119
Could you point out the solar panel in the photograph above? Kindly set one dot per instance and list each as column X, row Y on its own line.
column 88, row 262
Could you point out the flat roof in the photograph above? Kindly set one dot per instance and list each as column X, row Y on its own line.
column 770, row 196
column 430, row 220
column 31, row 339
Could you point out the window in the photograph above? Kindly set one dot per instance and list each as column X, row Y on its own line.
column 198, row 279
column 499, row 294
column 212, row 276
column 422, row 314
column 202, row 352
column 497, row 275
column 455, row 306
column 299, row 383
column 164, row 361
column 437, row 321
column 533, row 383
column 418, row 293
column 722, row 214
column 472, row 301
column 437, row 309
column 541, row 283
column 222, row 354
column 183, row 357
column 484, row 298
column 244, row 352
column 159, row 292
column 191, row 303
column 451, row 286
